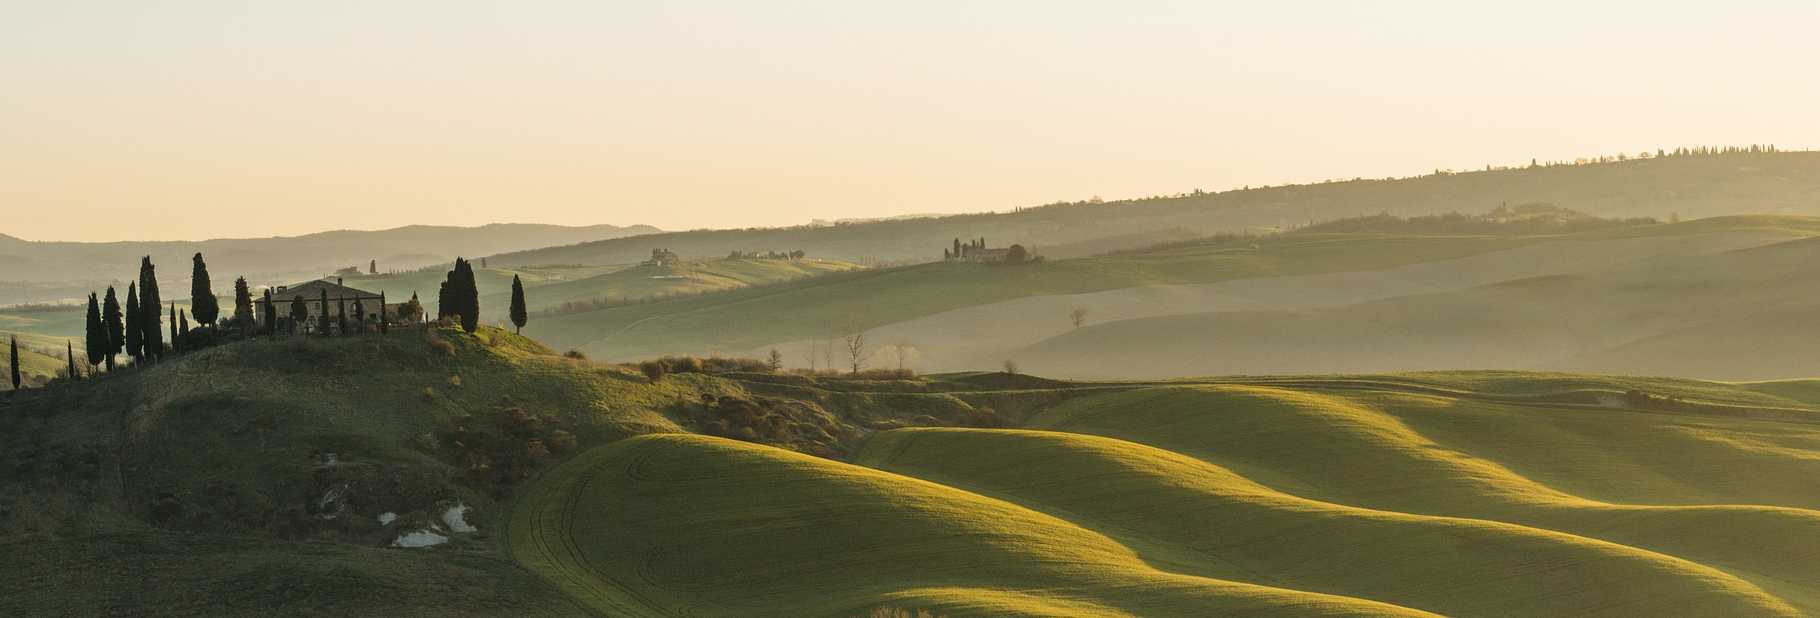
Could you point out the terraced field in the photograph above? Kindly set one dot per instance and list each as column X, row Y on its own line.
column 1443, row 494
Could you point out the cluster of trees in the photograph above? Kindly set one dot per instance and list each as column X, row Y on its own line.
column 458, row 299
column 769, row 255
column 1538, row 218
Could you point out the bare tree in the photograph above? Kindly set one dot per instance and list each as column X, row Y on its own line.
column 827, row 351
column 814, row 354
column 904, row 352
column 1010, row 366
column 1078, row 316
column 776, row 360
column 854, row 335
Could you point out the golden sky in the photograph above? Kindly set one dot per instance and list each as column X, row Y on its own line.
column 196, row 119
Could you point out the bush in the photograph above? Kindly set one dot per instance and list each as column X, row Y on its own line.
column 892, row 612
column 653, row 370
column 436, row 343
column 575, row 354
column 884, row 374
column 562, row 442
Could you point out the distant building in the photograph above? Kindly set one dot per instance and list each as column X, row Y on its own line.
column 661, row 257
column 977, row 251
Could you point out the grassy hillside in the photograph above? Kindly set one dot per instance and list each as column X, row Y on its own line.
column 40, row 357
column 276, row 477
column 1693, row 186
column 1291, row 496
column 1261, row 303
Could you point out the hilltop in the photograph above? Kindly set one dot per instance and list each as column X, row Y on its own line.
column 1693, row 186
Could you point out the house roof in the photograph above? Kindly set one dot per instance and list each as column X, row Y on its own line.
column 312, row 290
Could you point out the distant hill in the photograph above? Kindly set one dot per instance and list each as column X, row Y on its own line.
column 1692, row 186
column 83, row 265
column 1721, row 298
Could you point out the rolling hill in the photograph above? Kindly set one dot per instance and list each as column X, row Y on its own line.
column 1694, row 186
column 266, row 477
column 1699, row 299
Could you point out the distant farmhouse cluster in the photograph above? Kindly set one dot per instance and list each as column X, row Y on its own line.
column 977, row 251
column 666, row 257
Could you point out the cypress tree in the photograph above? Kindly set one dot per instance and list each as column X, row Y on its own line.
column 202, row 294
column 15, row 363
column 385, row 317
column 519, row 315
column 322, row 319
column 174, row 326
column 95, row 345
column 243, row 303
column 70, row 354
column 184, row 318
column 442, row 299
column 135, row 324
column 300, row 311
column 468, row 293
column 373, row 267
column 151, row 330
column 271, row 313
column 341, row 307
column 110, row 321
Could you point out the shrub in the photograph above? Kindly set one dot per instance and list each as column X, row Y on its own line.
column 436, row 343
column 454, row 381
column 575, row 354
column 429, row 393
column 892, row 612
column 884, row 374
column 562, row 441
column 653, row 370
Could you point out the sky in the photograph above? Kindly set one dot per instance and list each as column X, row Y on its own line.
column 179, row 119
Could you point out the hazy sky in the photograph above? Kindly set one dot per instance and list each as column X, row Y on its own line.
column 151, row 119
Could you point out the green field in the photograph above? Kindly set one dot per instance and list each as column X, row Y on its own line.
column 274, row 478
column 1217, row 499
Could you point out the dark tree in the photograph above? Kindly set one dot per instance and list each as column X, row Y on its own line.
column 442, row 300
column 243, row 303
column 70, row 355
column 373, row 267
column 460, row 296
column 341, row 314
column 95, row 342
column 300, row 311
column 202, row 294
column 183, row 317
column 271, row 313
column 322, row 319
column 151, row 330
column 174, row 325
column 15, row 362
column 135, row 324
column 957, row 248
column 111, row 321
column 1017, row 253
column 519, row 315
column 385, row 317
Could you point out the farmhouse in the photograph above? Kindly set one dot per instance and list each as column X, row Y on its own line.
column 661, row 257
column 312, row 295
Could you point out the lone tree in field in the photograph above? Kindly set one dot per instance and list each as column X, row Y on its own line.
column 94, row 343
column 70, row 355
column 151, row 331
column 110, row 321
column 855, row 336
column 519, row 315
column 775, row 360
column 372, row 267
column 14, row 363
column 135, row 335
column 243, row 303
column 1078, row 316
column 202, row 295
